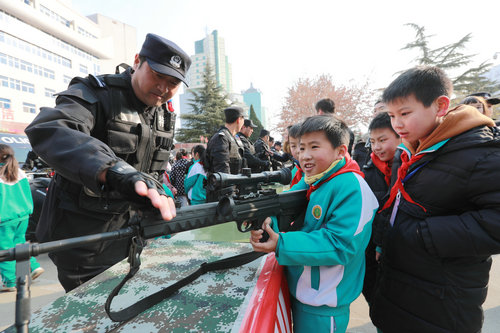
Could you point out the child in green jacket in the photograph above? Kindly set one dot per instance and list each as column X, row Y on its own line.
column 325, row 260
column 16, row 205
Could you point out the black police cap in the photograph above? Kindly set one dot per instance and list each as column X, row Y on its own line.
column 249, row 123
column 165, row 57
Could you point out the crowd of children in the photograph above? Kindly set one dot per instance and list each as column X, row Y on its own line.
column 412, row 222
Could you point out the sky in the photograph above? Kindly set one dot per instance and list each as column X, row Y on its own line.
column 273, row 43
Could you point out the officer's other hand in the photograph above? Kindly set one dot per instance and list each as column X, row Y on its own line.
column 165, row 204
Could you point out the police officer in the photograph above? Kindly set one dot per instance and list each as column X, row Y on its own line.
column 224, row 151
column 262, row 150
column 108, row 138
column 253, row 162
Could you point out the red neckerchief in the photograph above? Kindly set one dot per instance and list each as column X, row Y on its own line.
column 398, row 186
column 383, row 167
column 349, row 166
column 297, row 177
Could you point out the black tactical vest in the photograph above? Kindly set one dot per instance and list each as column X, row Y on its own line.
column 141, row 138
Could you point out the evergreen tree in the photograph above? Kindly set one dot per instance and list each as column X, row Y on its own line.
column 208, row 104
column 453, row 60
column 256, row 121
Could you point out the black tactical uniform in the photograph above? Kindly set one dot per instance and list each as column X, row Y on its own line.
column 224, row 154
column 95, row 123
column 261, row 152
column 256, row 164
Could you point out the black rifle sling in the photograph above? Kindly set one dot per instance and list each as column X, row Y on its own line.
column 153, row 299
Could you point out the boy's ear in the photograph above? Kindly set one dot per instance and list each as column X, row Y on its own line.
column 443, row 103
column 343, row 150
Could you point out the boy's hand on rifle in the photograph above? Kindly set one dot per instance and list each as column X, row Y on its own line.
column 256, row 235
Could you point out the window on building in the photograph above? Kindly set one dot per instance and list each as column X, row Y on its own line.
column 49, row 92
column 4, row 81
column 83, row 69
column 29, row 108
column 4, row 103
column 66, row 78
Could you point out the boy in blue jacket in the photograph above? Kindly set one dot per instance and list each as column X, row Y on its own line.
column 443, row 211
column 325, row 261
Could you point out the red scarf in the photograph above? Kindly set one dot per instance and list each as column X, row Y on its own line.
column 383, row 167
column 398, row 186
column 297, row 177
column 350, row 166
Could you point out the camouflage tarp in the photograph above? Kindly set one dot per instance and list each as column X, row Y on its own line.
column 215, row 302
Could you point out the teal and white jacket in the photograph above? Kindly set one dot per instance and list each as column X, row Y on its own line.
column 16, row 203
column 193, row 184
column 325, row 261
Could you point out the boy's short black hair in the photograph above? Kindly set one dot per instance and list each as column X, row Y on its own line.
column 335, row 129
column 327, row 105
column 200, row 149
column 294, row 131
column 427, row 83
column 380, row 121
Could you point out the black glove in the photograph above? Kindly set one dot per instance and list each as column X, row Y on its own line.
column 122, row 177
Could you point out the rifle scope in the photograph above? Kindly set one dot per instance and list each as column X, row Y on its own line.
column 219, row 179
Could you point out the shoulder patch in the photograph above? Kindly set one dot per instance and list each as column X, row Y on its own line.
column 81, row 91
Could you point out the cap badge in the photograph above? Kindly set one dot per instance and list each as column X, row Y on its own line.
column 176, row 61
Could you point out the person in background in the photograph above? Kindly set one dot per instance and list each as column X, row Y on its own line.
column 362, row 150
column 378, row 170
column 293, row 140
column 443, row 210
column 16, row 205
column 178, row 174
column 327, row 106
column 262, row 150
column 224, row 151
column 193, row 184
column 253, row 162
column 479, row 103
column 491, row 101
column 324, row 261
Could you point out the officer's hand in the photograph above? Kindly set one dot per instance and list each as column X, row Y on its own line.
column 256, row 235
column 139, row 188
column 165, row 204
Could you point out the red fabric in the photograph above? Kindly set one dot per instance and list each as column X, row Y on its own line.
column 350, row 166
column 261, row 313
column 383, row 167
column 297, row 177
column 398, row 186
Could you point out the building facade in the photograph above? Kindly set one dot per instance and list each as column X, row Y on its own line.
column 253, row 96
column 43, row 45
column 211, row 50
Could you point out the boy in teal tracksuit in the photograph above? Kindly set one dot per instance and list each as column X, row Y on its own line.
column 325, row 260
column 193, row 183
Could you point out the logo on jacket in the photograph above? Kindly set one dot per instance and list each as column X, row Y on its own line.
column 161, row 121
column 317, row 211
column 176, row 61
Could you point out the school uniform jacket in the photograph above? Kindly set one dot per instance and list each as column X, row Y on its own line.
column 193, row 184
column 326, row 259
column 16, row 203
column 436, row 263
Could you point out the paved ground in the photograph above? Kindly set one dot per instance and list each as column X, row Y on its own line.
column 46, row 289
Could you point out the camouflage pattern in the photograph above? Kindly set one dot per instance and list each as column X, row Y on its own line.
column 215, row 302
